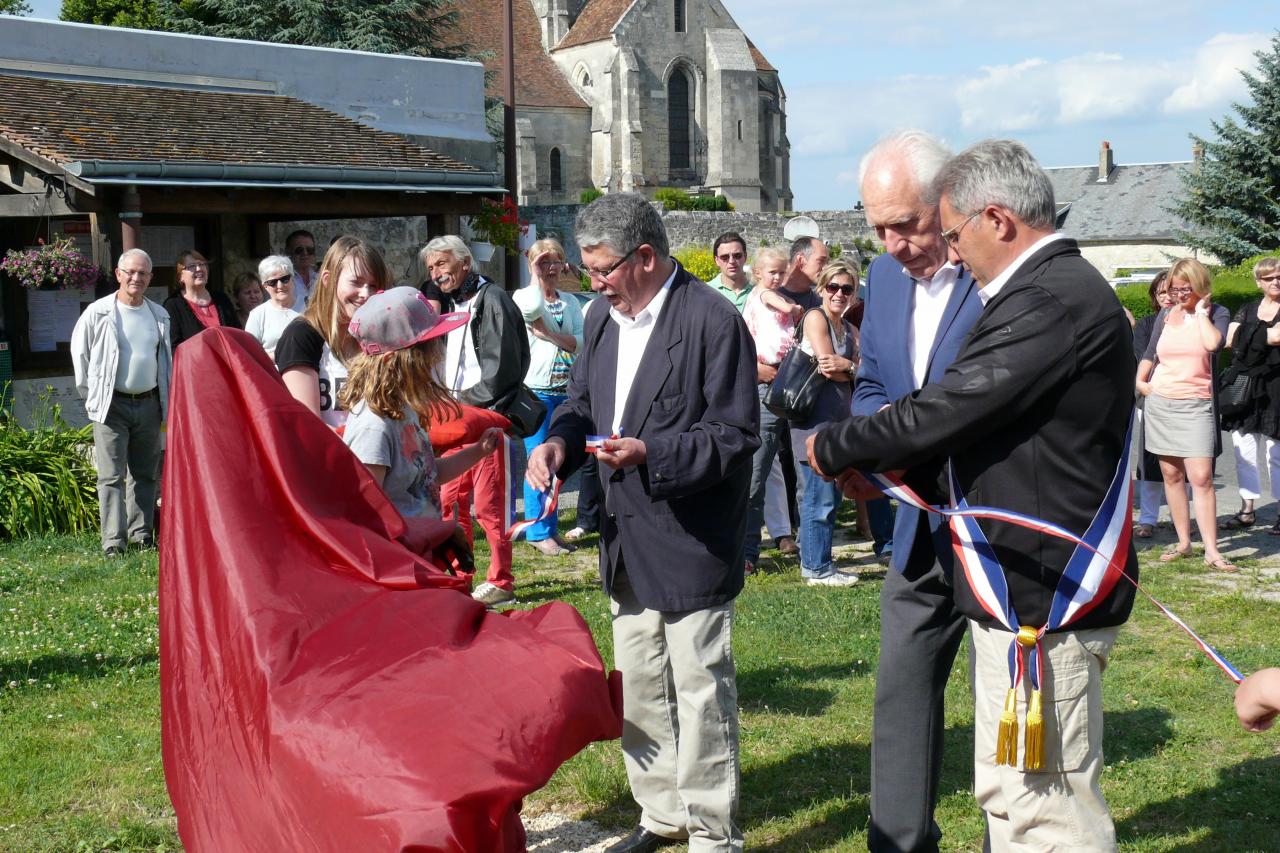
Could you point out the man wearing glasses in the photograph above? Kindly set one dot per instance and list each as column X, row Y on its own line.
column 300, row 246
column 730, row 252
column 669, row 372
column 122, row 359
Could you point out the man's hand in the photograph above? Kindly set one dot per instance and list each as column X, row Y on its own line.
column 765, row 372
column 1258, row 700
column 622, row 452
column 813, row 459
column 544, row 462
column 857, row 487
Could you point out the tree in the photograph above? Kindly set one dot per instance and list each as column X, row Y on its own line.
column 14, row 7
column 1233, row 190
column 414, row 27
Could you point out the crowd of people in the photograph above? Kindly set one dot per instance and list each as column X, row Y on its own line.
column 984, row 361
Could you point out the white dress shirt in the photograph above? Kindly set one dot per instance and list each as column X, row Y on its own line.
column 462, row 367
column 989, row 291
column 930, row 303
column 633, row 337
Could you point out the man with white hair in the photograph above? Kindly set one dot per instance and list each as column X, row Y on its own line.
column 122, row 360
column 485, row 363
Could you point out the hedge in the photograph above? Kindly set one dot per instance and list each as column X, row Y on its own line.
column 1232, row 288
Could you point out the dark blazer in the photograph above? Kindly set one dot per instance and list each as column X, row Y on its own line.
column 1033, row 415
column 677, row 522
column 187, row 325
column 885, row 374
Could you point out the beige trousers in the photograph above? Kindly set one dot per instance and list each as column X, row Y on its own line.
column 1060, row 807
column 680, row 719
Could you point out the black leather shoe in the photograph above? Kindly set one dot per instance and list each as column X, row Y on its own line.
column 641, row 840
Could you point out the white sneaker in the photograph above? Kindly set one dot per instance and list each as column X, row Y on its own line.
column 833, row 579
column 491, row 595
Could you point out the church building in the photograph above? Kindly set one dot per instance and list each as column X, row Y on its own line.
column 636, row 95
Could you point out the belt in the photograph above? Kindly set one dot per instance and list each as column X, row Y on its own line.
column 154, row 392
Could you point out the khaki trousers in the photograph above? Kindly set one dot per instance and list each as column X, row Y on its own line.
column 1060, row 807
column 680, row 718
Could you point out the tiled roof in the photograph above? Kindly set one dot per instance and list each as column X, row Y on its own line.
column 539, row 81
column 595, row 22
column 762, row 64
column 1132, row 204
column 68, row 121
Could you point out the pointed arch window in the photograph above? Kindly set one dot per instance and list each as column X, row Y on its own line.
column 678, row 100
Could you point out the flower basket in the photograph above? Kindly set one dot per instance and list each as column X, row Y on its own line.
column 56, row 265
column 499, row 224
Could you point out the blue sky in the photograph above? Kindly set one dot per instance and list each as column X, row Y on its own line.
column 1060, row 76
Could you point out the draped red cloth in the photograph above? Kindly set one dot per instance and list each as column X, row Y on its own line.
column 322, row 687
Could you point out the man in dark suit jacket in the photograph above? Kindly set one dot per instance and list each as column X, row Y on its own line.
column 1033, row 416
column 919, row 308
column 669, row 372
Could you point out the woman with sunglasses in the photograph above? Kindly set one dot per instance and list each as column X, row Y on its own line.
column 268, row 321
column 1181, row 422
column 1150, row 483
column 554, row 340
column 833, row 341
column 1254, row 338
column 192, row 306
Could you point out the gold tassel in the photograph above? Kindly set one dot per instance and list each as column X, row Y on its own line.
column 1007, row 733
column 1034, row 749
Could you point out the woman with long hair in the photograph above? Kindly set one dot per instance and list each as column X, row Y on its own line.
column 1176, row 376
column 314, row 350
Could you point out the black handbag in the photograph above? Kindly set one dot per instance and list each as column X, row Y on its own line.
column 794, row 391
column 525, row 411
column 1235, row 393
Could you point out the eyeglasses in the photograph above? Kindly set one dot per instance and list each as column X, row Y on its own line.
column 603, row 274
column 195, row 266
column 846, row 289
column 1274, row 277
column 303, row 250
column 550, row 266
column 1179, row 291
column 277, row 282
column 733, row 256
column 952, row 235
column 135, row 273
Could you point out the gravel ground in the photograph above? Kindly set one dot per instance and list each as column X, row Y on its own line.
column 555, row 833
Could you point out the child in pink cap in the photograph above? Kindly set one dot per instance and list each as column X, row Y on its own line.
column 392, row 392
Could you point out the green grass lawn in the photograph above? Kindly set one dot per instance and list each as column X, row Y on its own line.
column 80, row 762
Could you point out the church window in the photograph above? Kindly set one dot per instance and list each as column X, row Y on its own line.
column 678, row 119
column 680, row 10
column 557, row 176
column 739, row 130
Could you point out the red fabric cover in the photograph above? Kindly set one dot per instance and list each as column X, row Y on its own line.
column 322, row 688
column 465, row 428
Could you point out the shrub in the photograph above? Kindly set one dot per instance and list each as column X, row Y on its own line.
column 1232, row 288
column 47, row 484
column 590, row 195
column 677, row 199
column 699, row 262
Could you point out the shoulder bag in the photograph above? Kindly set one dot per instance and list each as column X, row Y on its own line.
column 794, row 391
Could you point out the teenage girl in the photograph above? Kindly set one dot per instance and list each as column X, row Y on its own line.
column 314, row 350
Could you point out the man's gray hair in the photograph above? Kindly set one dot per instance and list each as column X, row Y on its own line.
column 621, row 221
column 278, row 264
column 134, row 253
column 924, row 155
column 450, row 243
column 998, row 172
column 804, row 246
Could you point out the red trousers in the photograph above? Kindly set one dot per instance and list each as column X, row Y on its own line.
column 485, row 483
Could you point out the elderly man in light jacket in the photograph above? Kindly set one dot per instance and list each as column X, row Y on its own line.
column 120, row 351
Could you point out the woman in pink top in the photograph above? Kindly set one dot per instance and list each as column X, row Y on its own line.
column 1181, row 423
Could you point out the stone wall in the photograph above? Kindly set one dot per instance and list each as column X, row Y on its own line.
column 699, row 228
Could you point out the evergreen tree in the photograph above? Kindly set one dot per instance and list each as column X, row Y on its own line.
column 1233, row 191
column 414, row 27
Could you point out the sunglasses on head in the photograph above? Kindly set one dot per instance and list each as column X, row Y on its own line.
column 846, row 289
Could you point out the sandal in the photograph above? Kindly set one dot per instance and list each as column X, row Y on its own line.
column 548, row 548
column 1240, row 521
column 1173, row 552
column 1221, row 565
column 1143, row 531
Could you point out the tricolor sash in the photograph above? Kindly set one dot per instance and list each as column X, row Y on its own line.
column 548, row 499
column 1092, row 571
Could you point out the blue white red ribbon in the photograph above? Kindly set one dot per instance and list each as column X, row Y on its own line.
column 1092, row 571
column 548, row 499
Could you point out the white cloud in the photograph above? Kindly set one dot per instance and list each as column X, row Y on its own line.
column 1215, row 73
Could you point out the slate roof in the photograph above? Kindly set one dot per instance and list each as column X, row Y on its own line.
column 597, row 20
column 539, row 81
column 1130, row 206
column 68, row 121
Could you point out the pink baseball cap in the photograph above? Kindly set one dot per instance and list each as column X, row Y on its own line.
column 399, row 318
